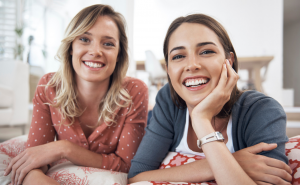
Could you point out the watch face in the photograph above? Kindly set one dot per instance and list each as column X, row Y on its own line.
column 219, row 135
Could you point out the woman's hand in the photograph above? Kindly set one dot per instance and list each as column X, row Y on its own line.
column 214, row 102
column 262, row 169
column 33, row 158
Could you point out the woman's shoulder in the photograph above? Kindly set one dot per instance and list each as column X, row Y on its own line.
column 250, row 98
column 253, row 104
column 50, row 91
column 164, row 96
column 46, row 78
column 132, row 85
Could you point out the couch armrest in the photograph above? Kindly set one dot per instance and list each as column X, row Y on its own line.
column 6, row 97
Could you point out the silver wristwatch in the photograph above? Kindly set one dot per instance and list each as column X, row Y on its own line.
column 215, row 136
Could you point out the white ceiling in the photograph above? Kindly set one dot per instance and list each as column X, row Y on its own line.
column 291, row 11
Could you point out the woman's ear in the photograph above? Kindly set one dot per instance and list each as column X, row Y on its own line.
column 231, row 59
column 71, row 52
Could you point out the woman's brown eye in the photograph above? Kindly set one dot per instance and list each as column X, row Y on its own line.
column 207, row 52
column 177, row 57
column 83, row 39
column 109, row 44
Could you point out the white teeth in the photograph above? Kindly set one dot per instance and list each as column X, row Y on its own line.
column 93, row 65
column 195, row 82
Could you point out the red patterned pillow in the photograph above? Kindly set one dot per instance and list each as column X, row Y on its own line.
column 292, row 151
column 176, row 159
column 8, row 150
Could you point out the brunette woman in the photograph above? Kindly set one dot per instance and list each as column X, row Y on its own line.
column 202, row 112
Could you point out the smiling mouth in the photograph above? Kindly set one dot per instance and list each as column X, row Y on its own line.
column 195, row 82
column 94, row 64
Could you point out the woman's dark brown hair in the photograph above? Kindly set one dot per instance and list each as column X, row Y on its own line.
column 227, row 45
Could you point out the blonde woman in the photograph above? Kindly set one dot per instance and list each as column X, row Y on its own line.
column 96, row 113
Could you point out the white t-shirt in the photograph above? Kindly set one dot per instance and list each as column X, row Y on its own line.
column 183, row 145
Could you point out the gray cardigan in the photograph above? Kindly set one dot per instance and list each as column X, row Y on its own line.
column 255, row 118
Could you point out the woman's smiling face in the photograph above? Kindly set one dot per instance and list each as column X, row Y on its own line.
column 194, row 62
column 95, row 53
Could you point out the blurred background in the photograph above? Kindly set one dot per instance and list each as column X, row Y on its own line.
column 265, row 34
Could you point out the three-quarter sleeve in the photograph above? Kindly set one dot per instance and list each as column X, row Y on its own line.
column 266, row 122
column 133, row 129
column 158, row 138
column 41, row 128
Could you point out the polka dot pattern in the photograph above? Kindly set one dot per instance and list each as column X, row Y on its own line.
column 114, row 143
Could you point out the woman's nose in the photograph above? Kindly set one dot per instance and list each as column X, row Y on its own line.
column 192, row 64
column 95, row 50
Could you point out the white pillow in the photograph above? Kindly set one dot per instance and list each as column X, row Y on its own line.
column 4, row 161
column 66, row 172
column 62, row 171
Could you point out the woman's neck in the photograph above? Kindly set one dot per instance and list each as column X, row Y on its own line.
column 90, row 94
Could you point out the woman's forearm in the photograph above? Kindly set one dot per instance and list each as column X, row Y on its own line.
column 37, row 177
column 198, row 171
column 80, row 156
column 225, row 169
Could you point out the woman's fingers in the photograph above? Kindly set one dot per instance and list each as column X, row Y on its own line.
column 16, row 168
column 223, row 78
column 280, row 165
column 272, row 179
column 262, row 183
column 12, row 162
column 232, row 77
column 280, row 172
column 260, row 147
column 22, row 172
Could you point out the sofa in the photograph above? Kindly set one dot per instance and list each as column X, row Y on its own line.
column 14, row 94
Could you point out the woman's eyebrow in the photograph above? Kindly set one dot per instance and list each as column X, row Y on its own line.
column 205, row 43
column 198, row 45
column 87, row 33
column 108, row 37
column 177, row 48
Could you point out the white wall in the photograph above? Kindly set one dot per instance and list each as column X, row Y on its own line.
column 292, row 59
column 255, row 28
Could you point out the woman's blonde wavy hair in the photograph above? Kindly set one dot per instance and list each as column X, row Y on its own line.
column 64, row 79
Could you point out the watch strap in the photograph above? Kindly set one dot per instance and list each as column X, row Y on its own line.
column 215, row 136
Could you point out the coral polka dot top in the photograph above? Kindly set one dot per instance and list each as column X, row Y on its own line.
column 116, row 143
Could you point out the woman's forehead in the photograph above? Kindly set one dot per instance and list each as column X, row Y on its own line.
column 188, row 34
column 105, row 26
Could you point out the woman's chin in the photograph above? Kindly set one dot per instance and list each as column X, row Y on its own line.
column 193, row 102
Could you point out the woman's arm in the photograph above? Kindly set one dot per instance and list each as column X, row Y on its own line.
column 259, row 168
column 37, row 177
column 225, row 168
column 133, row 128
